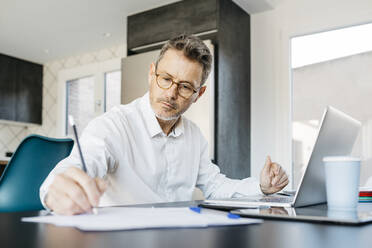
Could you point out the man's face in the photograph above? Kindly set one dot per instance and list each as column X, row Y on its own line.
column 167, row 103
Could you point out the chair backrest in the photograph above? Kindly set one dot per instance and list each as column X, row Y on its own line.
column 31, row 163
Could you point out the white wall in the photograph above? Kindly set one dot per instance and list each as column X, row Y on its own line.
column 271, row 88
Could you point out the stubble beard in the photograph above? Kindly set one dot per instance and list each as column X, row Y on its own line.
column 169, row 118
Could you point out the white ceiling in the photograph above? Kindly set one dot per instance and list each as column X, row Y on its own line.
column 257, row 6
column 64, row 27
column 45, row 30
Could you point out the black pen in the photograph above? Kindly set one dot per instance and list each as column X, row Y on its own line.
column 72, row 123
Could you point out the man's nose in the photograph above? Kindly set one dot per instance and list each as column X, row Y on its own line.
column 172, row 92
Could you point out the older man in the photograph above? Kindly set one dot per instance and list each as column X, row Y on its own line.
column 146, row 151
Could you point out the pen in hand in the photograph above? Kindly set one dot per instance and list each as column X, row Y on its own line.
column 72, row 123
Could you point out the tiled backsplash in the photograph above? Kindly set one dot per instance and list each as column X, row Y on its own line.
column 12, row 135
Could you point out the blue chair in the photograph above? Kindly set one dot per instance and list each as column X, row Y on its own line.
column 31, row 163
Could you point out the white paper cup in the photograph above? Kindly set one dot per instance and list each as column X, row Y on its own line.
column 342, row 182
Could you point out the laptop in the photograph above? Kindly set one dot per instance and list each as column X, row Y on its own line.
column 336, row 137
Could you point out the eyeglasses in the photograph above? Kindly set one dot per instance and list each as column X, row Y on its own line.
column 185, row 90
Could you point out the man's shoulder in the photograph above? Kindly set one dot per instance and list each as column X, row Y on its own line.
column 189, row 125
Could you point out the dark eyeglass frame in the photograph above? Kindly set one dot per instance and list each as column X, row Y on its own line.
column 178, row 85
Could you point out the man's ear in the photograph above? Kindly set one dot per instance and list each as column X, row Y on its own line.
column 201, row 92
column 151, row 72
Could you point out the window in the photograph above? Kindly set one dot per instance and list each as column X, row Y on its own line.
column 80, row 102
column 86, row 92
column 331, row 68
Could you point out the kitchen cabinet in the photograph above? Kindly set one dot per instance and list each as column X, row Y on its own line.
column 20, row 90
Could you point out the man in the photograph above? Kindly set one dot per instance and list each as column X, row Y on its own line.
column 146, row 151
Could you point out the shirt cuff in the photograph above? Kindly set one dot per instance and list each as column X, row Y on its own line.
column 247, row 187
column 44, row 191
column 43, row 194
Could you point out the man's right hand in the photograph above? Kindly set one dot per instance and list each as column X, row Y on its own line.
column 74, row 192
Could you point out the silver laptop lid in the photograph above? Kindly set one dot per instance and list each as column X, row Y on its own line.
column 336, row 137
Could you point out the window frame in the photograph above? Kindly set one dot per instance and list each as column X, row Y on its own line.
column 95, row 70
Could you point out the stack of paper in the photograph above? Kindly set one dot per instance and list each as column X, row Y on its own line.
column 365, row 194
column 124, row 218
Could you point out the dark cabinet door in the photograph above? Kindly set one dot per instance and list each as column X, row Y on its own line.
column 20, row 90
column 7, row 87
column 29, row 92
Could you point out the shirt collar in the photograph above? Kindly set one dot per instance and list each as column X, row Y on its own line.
column 152, row 123
column 178, row 129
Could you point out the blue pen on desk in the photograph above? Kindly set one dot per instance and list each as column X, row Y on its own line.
column 72, row 123
column 229, row 215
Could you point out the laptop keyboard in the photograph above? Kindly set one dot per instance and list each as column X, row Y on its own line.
column 276, row 199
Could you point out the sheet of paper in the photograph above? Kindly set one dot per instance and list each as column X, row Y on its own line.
column 124, row 218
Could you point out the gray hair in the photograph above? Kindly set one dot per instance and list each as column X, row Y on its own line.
column 193, row 48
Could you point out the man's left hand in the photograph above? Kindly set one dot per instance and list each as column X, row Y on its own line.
column 273, row 178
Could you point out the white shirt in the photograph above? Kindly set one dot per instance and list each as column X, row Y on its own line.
column 127, row 147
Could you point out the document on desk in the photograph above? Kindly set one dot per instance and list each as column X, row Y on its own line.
column 128, row 218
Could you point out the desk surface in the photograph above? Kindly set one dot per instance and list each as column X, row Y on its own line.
column 271, row 233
